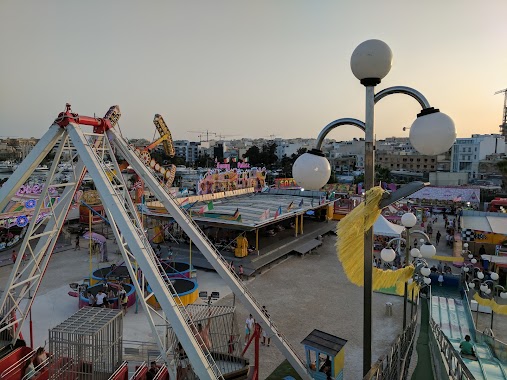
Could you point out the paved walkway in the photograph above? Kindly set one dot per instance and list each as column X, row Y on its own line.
column 301, row 293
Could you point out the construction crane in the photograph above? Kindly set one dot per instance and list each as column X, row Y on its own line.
column 202, row 134
column 503, row 126
column 221, row 137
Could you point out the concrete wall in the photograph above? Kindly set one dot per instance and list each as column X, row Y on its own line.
column 448, row 178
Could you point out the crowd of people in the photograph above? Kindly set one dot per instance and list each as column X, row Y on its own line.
column 108, row 296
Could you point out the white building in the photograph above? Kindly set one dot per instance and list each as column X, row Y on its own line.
column 189, row 150
column 290, row 147
column 467, row 152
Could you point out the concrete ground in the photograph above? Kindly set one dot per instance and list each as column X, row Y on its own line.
column 301, row 294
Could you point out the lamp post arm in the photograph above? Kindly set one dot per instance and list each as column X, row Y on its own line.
column 396, row 239
column 428, row 240
column 334, row 124
column 421, row 99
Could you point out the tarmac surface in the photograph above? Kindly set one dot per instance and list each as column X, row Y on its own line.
column 300, row 293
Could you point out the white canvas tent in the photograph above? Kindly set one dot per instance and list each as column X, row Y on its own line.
column 385, row 228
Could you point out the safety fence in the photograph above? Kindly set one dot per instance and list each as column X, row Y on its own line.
column 395, row 364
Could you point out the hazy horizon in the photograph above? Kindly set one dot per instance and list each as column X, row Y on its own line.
column 251, row 69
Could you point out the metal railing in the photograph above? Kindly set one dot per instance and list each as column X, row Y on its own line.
column 456, row 368
column 395, row 364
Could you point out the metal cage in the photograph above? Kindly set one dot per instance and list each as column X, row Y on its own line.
column 87, row 345
column 224, row 337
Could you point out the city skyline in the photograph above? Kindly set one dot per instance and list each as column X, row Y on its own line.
column 246, row 69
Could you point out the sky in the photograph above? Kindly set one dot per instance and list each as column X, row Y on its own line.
column 247, row 68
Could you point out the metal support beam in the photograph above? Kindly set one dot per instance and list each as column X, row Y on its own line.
column 208, row 250
column 26, row 280
column 118, row 211
column 28, row 165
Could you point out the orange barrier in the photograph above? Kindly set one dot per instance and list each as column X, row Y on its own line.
column 122, row 373
column 141, row 372
column 14, row 362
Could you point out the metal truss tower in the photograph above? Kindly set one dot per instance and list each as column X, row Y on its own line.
column 503, row 126
column 90, row 151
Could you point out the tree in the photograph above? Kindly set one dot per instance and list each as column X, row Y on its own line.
column 254, row 155
column 269, row 157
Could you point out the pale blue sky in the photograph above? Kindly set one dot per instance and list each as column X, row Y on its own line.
column 247, row 68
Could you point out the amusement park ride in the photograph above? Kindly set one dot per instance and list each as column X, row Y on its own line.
column 91, row 152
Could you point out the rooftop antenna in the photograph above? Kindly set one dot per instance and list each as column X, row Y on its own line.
column 503, row 126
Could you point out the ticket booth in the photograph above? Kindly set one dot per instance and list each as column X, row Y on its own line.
column 325, row 356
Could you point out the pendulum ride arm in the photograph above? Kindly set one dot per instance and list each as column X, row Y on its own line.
column 128, row 235
column 208, row 250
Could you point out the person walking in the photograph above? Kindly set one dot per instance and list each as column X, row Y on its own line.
column 77, row 243
column 440, row 279
column 100, row 299
column 265, row 334
column 123, row 299
column 14, row 256
column 249, row 325
column 439, row 235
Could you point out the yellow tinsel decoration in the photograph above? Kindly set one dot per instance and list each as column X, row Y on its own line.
column 350, row 245
column 498, row 309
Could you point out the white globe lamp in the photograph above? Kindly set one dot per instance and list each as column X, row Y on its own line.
column 408, row 220
column 470, row 256
column 471, row 285
column 414, row 252
column 488, row 291
column 433, row 132
column 427, row 280
column 494, row 276
column 466, row 269
column 503, row 295
column 428, row 250
column 484, row 288
column 388, row 254
column 473, row 261
column 371, row 61
column 311, row 170
column 480, row 275
column 465, row 245
column 425, row 271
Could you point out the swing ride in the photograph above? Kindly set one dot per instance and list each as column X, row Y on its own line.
column 95, row 152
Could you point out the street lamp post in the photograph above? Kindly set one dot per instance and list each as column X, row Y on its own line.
column 431, row 133
column 408, row 220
